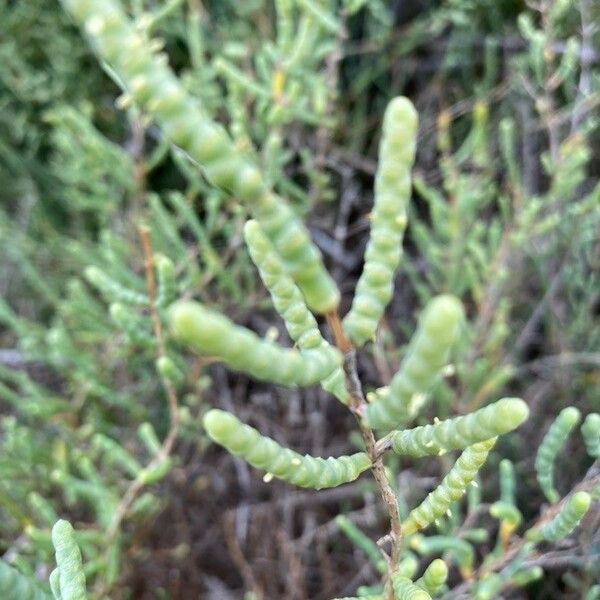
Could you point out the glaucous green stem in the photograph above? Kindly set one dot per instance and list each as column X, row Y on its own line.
column 428, row 352
column 591, row 434
column 289, row 303
column 460, row 432
column 388, row 220
column 213, row 334
column 153, row 86
column 452, row 488
column 68, row 560
column 265, row 453
column 553, row 441
column 565, row 521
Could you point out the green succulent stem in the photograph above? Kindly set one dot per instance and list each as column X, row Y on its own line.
column 565, row 522
column 71, row 578
column 213, row 334
column 451, row 489
column 428, row 352
column 289, row 303
column 553, row 441
column 388, row 220
column 459, row 432
column 153, row 86
column 591, row 434
column 265, row 453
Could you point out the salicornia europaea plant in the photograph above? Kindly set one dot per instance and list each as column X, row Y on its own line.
column 224, row 164
column 151, row 84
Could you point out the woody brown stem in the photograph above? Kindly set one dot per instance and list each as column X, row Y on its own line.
column 357, row 403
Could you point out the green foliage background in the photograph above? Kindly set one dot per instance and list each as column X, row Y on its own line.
column 505, row 214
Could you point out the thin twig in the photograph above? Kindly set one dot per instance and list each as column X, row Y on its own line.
column 167, row 446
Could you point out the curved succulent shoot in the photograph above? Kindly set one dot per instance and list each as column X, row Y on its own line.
column 505, row 510
column 405, row 589
column 428, row 352
column 591, row 434
column 299, row 254
column 507, row 481
column 451, row 489
column 388, row 220
column 460, row 432
column 213, row 334
column 154, row 86
column 565, row 521
column 434, row 578
column 286, row 296
column 553, row 441
column 289, row 303
column 71, row 579
column 266, row 454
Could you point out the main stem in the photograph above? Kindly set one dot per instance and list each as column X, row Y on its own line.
column 357, row 405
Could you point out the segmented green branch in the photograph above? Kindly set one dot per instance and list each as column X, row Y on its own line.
column 388, row 220
column 434, row 578
column 154, row 86
column 452, row 487
column 553, row 441
column 504, row 509
column 428, row 352
column 507, row 481
column 591, row 434
column 16, row 586
column 289, row 303
column 457, row 433
column 566, row 521
column 405, row 589
column 68, row 560
column 213, row 334
column 265, row 453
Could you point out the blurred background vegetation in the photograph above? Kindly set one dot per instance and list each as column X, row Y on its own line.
column 505, row 214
